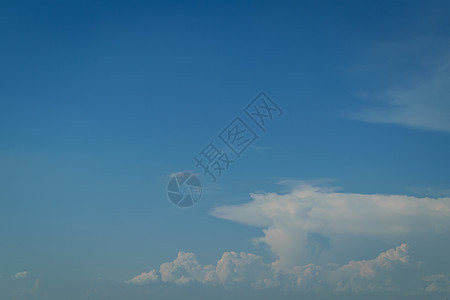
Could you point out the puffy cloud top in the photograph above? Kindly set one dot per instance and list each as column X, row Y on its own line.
column 287, row 220
column 250, row 270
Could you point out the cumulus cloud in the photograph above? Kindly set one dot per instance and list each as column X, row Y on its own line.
column 370, row 275
column 144, row 278
column 289, row 219
column 20, row 275
column 232, row 267
column 21, row 285
column 437, row 283
column 249, row 269
column 300, row 225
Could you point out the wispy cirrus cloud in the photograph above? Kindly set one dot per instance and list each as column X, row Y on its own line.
column 425, row 105
column 416, row 73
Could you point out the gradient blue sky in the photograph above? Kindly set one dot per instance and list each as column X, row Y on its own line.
column 101, row 101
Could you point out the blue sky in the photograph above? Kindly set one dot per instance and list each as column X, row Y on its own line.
column 101, row 101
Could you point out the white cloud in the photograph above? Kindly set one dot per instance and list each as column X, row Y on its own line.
column 249, row 269
column 288, row 219
column 20, row 275
column 426, row 106
column 370, row 275
column 356, row 276
column 303, row 221
column 233, row 267
column 424, row 101
column 22, row 285
column 183, row 270
column 144, row 278
column 236, row 267
column 438, row 283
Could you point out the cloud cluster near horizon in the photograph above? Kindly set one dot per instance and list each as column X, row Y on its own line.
column 299, row 224
column 390, row 271
column 250, row 270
